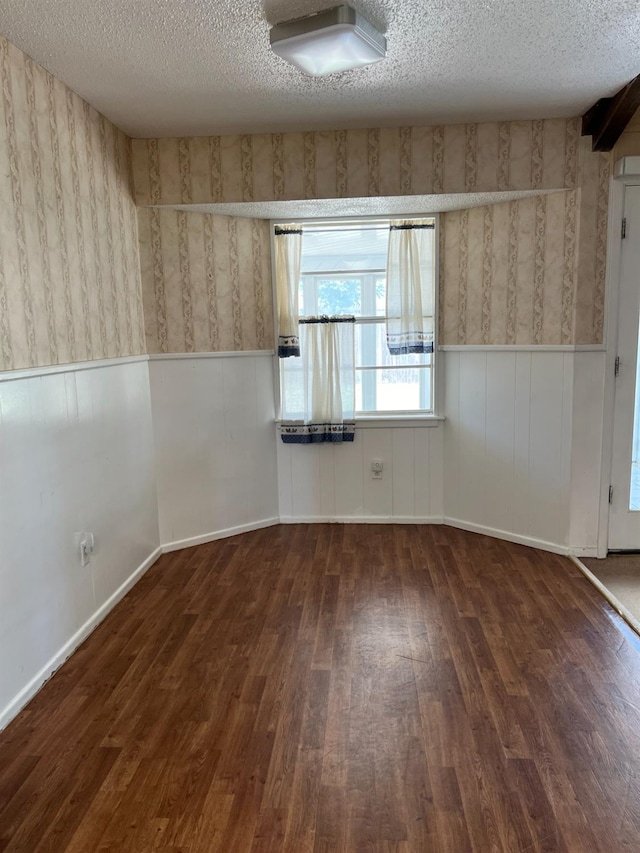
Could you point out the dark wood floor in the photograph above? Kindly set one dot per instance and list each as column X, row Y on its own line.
column 338, row 688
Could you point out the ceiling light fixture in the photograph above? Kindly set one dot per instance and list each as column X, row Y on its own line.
column 337, row 39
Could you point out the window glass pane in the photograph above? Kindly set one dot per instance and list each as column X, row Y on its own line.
column 401, row 389
column 381, row 296
column 358, row 386
column 292, row 385
column 349, row 246
column 344, row 272
column 372, row 350
column 363, row 296
column 339, row 296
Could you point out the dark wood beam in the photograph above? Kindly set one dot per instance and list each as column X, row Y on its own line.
column 607, row 118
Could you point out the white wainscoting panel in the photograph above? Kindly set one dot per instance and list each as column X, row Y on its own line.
column 333, row 482
column 507, row 435
column 215, row 450
column 76, row 454
column 586, row 452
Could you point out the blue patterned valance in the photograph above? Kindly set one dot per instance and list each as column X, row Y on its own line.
column 288, row 347
column 294, row 433
column 404, row 343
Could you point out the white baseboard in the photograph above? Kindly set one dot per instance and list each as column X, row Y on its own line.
column 494, row 532
column 584, row 552
column 218, row 534
column 542, row 544
column 29, row 690
column 613, row 601
column 361, row 519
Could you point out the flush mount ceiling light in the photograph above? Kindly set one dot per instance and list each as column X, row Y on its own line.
column 337, row 39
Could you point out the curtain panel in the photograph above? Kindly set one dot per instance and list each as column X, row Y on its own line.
column 410, row 287
column 328, row 381
column 288, row 254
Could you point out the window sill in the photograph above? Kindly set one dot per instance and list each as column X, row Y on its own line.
column 391, row 421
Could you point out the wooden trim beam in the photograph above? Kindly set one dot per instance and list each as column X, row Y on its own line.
column 607, row 118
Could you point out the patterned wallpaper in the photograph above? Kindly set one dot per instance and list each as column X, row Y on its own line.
column 530, row 271
column 206, row 281
column 69, row 269
column 493, row 156
column 508, row 275
column 527, row 272
column 593, row 215
column 508, row 272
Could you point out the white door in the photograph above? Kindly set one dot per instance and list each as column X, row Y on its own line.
column 624, row 517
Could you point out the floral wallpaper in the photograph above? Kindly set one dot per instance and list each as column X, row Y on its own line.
column 206, row 281
column 508, row 272
column 526, row 272
column 69, row 268
column 523, row 272
column 530, row 271
column 494, row 156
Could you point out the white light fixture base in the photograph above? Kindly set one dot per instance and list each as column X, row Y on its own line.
column 328, row 42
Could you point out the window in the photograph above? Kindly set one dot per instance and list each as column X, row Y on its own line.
column 343, row 271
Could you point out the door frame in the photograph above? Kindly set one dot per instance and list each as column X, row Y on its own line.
column 626, row 172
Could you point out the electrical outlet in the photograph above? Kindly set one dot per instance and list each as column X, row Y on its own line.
column 377, row 467
column 87, row 545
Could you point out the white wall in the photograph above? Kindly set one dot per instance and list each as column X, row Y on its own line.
column 518, row 455
column 76, row 454
column 216, row 459
column 333, row 482
column 586, row 452
column 508, row 443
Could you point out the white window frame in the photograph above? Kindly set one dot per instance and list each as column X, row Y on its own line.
column 412, row 417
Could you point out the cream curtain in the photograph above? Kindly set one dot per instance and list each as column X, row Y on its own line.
column 328, row 381
column 288, row 252
column 410, row 287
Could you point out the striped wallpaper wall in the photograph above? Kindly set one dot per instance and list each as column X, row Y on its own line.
column 530, row 271
column 206, row 282
column 69, row 267
column 508, row 273
column 486, row 157
column 527, row 272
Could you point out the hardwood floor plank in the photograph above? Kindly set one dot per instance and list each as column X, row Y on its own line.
column 338, row 689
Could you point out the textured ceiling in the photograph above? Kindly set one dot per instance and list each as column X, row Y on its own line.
column 198, row 67
column 384, row 206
